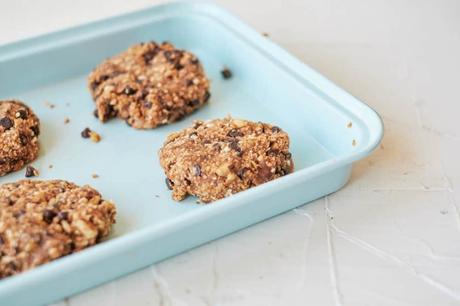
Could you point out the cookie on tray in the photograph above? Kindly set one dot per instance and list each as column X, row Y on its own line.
column 149, row 85
column 19, row 129
column 217, row 158
column 43, row 220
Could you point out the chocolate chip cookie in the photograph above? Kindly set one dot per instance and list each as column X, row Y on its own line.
column 217, row 158
column 149, row 85
column 19, row 129
column 43, row 220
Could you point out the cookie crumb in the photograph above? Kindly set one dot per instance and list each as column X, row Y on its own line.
column 49, row 104
column 66, row 120
column 95, row 137
column 50, row 166
column 31, row 171
column 157, row 196
column 226, row 73
column 265, row 34
column 169, row 183
column 353, row 143
column 94, row 176
column 88, row 133
column 85, row 133
column 21, row 114
column 350, row 125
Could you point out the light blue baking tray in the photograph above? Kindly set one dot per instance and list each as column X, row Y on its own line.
column 329, row 131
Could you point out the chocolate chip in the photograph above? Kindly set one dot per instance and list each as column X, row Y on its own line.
column 19, row 213
column 6, row 122
column 288, row 155
column 187, row 181
column 7, row 201
column 273, row 152
column 226, row 73
column 169, row 183
column 36, row 130
column 110, row 112
column 275, row 129
column 197, row 124
column 48, row 215
column 194, row 61
column 193, row 103
column 12, row 265
column 144, row 94
column 86, row 133
column 189, row 82
column 23, row 139
column 71, row 245
column 150, row 54
column 63, row 215
column 263, row 174
column 147, row 104
column 197, row 170
column 103, row 78
column 207, row 95
column 31, row 171
column 94, row 85
column 21, row 114
column 168, row 54
column 241, row 173
column 234, row 146
column 234, row 133
column 178, row 66
column 286, row 171
column 129, row 91
column 95, row 113
column 216, row 147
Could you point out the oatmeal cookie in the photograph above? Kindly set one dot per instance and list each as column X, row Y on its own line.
column 43, row 220
column 19, row 129
column 149, row 85
column 215, row 159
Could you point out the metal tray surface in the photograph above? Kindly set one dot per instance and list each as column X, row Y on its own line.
column 268, row 84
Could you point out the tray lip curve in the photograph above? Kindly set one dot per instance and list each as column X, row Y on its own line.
column 372, row 122
column 291, row 64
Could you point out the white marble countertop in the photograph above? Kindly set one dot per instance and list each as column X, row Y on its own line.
column 392, row 235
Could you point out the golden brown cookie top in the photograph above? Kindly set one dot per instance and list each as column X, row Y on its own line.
column 44, row 220
column 220, row 157
column 148, row 85
column 19, row 130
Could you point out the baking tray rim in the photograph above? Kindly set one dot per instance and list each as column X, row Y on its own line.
column 308, row 76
